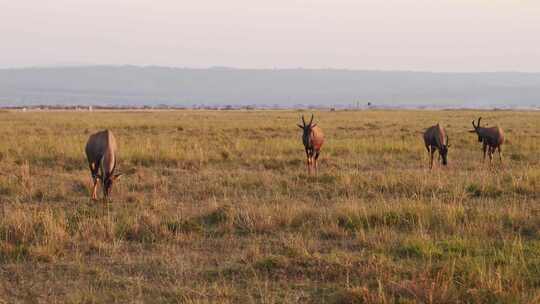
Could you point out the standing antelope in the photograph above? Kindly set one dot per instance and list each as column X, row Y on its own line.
column 101, row 154
column 313, row 139
column 435, row 138
column 491, row 139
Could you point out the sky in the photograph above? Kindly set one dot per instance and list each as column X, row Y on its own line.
column 418, row 35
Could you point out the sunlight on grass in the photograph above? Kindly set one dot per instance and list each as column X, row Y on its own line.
column 218, row 207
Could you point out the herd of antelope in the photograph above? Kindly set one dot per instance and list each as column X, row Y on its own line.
column 435, row 139
column 101, row 149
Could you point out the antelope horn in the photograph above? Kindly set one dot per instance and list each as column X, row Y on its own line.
column 478, row 124
column 311, row 120
column 303, row 121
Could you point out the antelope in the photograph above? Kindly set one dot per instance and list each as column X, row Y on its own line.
column 101, row 155
column 491, row 139
column 435, row 138
column 313, row 139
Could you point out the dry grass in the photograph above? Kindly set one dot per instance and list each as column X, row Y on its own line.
column 216, row 207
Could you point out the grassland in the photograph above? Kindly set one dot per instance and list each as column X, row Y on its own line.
column 217, row 207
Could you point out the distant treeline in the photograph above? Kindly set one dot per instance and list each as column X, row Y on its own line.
column 218, row 87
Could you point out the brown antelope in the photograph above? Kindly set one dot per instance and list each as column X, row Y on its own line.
column 101, row 154
column 491, row 139
column 313, row 139
column 435, row 138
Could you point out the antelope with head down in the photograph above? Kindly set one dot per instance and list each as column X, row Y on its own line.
column 101, row 155
column 491, row 138
column 313, row 139
column 436, row 139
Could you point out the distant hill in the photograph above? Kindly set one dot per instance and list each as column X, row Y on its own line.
column 131, row 85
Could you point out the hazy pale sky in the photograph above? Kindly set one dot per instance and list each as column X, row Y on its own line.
column 428, row 35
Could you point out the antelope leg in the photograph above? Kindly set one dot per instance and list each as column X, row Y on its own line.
column 316, row 161
column 307, row 159
column 431, row 160
column 94, row 190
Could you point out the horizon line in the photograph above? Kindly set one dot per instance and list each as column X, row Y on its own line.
column 232, row 68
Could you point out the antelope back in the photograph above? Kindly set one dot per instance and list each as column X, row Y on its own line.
column 101, row 149
column 493, row 136
column 435, row 136
column 317, row 137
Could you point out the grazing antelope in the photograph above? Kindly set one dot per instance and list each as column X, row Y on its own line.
column 101, row 154
column 491, row 139
column 435, row 138
column 313, row 139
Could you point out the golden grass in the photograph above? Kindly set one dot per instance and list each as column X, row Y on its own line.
column 217, row 207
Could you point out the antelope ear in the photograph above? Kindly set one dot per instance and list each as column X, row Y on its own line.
column 314, row 125
column 300, row 126
column 117, row 175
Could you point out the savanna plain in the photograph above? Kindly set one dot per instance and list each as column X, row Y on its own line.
column 217, row 206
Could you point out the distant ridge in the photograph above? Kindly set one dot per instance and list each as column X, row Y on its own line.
column 219, row 86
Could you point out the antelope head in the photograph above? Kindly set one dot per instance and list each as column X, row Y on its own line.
column 477, row 129
column 444, row 152
column 108, row 182
column 307, row 130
